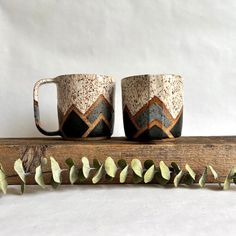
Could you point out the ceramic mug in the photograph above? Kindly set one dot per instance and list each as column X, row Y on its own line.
column 85, row 106
column 152, row 106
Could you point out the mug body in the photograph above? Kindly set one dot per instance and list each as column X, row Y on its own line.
column 152, row 106
column 85, row 105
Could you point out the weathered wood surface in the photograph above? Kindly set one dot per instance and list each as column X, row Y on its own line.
column 220, row 152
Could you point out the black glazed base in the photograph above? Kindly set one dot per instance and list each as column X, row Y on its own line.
column 96, row 124
column 152, row 130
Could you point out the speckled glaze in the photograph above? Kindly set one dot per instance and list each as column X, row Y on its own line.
column 85, row 105
column 83, row 90
column 153, row 106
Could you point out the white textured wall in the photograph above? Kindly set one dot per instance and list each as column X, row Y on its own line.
column 196, row 39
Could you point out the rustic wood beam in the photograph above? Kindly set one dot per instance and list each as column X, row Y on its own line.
column 220, row 152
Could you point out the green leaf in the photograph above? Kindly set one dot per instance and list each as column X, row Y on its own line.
column 69, row 162
column 213, row 172
column 39, row 176
column 234, row 178
column 232, row 172
column 81, row 175
column 190, row 171
column 228, row 178
column 74, row 175
column 178, row 178
column 165, row 171
column 148, row 164
column 54, row 184
column 124, row 174
column 96, row 164
column 137, row 179
column 22, row 188
column 187, row 179
column 227, row 183
column 98, row 175
column 149, row 175
column 136, row 166
column 56, row 170
column 110, row 167
column 122, row 164
column 175, row 167
column 160, row 180
column 3, row 180
column 86, row 167
column 202, row 180
column 19, row 169
column 108, row 178
column 44, row 161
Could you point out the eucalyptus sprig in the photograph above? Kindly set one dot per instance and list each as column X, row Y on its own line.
column 94, row 172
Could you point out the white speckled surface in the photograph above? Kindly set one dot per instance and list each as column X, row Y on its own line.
column 83, row 90
column 138, row 90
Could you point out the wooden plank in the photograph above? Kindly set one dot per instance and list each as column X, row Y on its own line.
column 220, row 152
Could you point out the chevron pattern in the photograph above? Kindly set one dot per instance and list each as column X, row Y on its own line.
column 96, row 122
column 152, row 121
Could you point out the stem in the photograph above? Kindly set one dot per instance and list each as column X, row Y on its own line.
column 65, row 170
column 33, row 173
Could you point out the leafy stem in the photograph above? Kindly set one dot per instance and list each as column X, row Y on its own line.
column 146, row 172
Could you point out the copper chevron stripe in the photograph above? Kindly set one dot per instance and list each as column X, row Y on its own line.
column 84, row 116
column 154, row 123
column 91, row 126
column 155, row 100
column 95, row 123
column 96, row 103
column 176, row 120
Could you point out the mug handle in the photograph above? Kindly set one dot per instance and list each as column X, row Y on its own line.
column 36, row 107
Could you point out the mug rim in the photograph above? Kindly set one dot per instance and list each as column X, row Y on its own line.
column 86, row 74
column 156, row 75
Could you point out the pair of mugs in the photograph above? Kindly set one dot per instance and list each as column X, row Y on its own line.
column 152, row 106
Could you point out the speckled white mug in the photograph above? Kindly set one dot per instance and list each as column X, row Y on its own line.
column 85, row 106
column 153, row 106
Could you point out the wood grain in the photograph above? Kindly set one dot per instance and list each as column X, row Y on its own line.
column 220, row 152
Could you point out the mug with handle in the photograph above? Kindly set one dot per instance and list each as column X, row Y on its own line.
column 152, row 106
column 85, row 106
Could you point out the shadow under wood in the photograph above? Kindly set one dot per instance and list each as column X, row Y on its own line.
column 32, row 189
